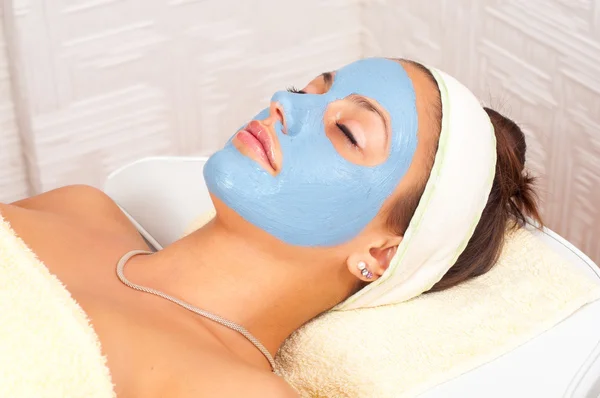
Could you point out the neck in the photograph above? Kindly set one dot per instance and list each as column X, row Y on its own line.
column 268, row 289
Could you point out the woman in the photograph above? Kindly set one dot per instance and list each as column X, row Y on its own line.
column 313, row 199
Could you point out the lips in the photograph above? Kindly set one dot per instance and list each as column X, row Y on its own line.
column 259, row 140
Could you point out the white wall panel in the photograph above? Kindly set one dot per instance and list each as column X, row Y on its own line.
column 536, row 61
column 109, row 81
column 13, row 181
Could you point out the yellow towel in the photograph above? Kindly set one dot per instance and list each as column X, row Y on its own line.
column 47, row 346
column 404, row 349
column 407, row 348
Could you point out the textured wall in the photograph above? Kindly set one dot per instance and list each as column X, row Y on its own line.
column 536, row 61
column 110, row 81
column 13, row 182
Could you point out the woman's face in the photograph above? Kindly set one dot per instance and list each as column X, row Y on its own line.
column 315, row 168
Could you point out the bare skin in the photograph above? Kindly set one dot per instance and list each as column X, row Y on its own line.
column 155, row 348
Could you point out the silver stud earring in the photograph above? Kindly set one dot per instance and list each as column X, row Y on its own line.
column 362, row 266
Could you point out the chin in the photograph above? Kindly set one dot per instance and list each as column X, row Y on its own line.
column 221, row 169
column 234, row 179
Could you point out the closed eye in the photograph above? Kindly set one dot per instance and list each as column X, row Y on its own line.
column 346, row 131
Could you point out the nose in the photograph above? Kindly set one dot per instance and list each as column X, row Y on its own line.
column 276, row 114
column 294, row 110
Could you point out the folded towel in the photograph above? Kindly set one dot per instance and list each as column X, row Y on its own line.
column 47, row 346
column 404, row 349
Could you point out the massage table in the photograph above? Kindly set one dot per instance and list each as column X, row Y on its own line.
column 162, row 196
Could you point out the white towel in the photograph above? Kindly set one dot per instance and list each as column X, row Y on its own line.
column 407, row 348
column 47, row 346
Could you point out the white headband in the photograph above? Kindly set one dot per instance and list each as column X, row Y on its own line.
column 451, row 206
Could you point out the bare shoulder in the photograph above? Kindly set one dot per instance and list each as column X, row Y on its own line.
column 71, row 199
column 82, row 203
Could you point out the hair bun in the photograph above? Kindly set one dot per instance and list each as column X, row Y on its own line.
column 516, row 183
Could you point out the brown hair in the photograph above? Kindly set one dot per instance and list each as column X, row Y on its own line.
column 511, row 202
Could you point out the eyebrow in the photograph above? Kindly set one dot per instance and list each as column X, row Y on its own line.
column 368, row 105
column 360, row 101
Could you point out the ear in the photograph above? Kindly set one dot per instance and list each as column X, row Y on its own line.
column 376, row 258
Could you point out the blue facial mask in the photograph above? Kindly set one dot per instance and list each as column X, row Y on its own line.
column 319, row 198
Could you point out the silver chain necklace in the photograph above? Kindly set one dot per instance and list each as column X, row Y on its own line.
column 215, row 318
